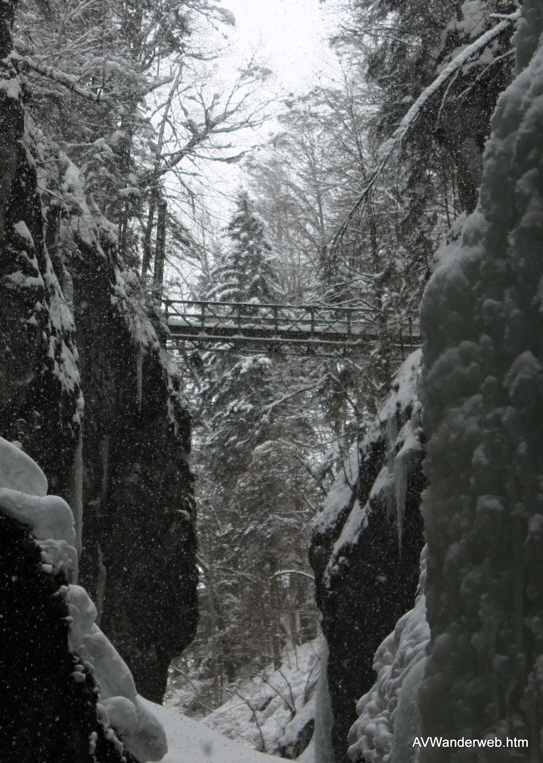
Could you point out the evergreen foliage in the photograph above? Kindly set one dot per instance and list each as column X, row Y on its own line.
column 246, row 271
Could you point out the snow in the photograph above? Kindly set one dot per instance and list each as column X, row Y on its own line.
column 127, row 292
column 22, row 231
column 271, row 708
column 190, row 741
column 402, row 448
column 473, row 18
column 482, row 391
column 11, row 87
column 19, row 472
column 23, row 489
column 380, row 727
column 340, row 494
column 20, row 280
column 120, row 704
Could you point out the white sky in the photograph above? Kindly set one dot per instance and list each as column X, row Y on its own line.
column 289, row 35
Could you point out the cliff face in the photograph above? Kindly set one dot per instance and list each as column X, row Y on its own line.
column 39, row 380
column 365, row 549
column 104, row 418
column 45, row 713
column 138, row 558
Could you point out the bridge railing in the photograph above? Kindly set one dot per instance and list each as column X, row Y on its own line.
column 319, row 323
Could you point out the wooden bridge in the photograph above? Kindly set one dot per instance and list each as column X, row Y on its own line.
column 302, row 328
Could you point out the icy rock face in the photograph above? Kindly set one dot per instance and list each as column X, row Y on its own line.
column 366, row 546
column 50, row 520
column 40, row 396
column 138, row 562
column 483, row 399
column 59, row 271
column 387, row 714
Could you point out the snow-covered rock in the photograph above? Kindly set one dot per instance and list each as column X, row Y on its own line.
column 19, row 472
column 50, row 520
column 366, row 546
column 482, row 390
column 140, row 732
column 274, row 710
column 23, row 497
column 384, row 726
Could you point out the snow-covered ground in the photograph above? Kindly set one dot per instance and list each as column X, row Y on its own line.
column 270, row 711
column 191, row 741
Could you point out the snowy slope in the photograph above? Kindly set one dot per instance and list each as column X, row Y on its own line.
column 273, row 710
column 191, row 741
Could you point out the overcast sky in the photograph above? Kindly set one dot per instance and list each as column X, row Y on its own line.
column 290, row 35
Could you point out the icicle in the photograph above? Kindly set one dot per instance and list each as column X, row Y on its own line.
column 104, row 453
column 76, row 493
column 100, row 585
column 400, row 492
column 323, row 713
column 139, row 376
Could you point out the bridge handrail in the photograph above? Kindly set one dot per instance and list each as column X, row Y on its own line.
column 313, row 307
column 315, row 320
column 330, row 308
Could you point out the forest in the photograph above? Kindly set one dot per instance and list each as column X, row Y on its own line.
column 271, row 385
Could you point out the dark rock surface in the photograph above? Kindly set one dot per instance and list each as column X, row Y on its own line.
column 119, row 460
column 367, row 579
column 46, row 716
column 138, row 560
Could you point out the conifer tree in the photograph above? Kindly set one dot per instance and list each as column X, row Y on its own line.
column 246, row 274
column 253, row 520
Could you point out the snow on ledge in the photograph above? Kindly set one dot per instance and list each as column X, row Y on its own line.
column 19, row 472
column 23, row 497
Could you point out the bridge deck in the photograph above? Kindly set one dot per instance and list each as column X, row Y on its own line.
column 309, row 326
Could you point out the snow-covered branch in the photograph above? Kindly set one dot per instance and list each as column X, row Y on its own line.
column 292, row 572
column 410, row 119
column 66, row 80
column 452, row 67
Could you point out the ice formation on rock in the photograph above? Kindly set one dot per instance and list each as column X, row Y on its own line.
column 23, row 489
column 387, row 713
column 483, row 399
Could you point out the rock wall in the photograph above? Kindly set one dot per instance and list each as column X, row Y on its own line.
column 365, row 549
column 45, row 715
column 138, row 559
column 39, row 382
column 483, row 395
column 105, row 418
